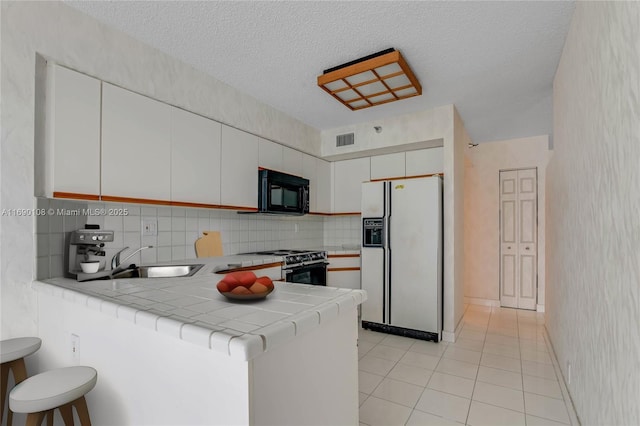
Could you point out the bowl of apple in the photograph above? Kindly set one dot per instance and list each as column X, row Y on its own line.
column 244, row 285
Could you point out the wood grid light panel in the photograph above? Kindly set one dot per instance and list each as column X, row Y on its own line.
column 376, row 81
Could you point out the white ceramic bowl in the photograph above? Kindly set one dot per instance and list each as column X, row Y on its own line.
column 90, row 267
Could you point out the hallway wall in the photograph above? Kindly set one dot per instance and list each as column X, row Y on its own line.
column 593, row 218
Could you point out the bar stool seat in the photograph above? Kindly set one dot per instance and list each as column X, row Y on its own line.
column 12, row 353
column 17, row 348
column 62, row 389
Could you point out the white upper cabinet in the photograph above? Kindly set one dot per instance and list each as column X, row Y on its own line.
column 292, row 161
column 323, row 187
column 388, row 166
column 347, row 184
column 136, row 145
column 269, row 154
column 424, row 161
column 71, row 160
column 195, row 158
column 239, row 168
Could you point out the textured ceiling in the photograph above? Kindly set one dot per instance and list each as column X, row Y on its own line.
column 494, row 61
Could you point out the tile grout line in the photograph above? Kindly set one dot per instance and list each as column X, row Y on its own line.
column 466, row 421
column 524, row 400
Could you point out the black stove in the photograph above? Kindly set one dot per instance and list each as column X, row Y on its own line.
column 297, row 258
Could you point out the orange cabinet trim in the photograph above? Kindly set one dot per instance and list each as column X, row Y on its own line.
column 343, row 269
column 134, row 200
column 249, row 209
column 408, row 177
column 251, row 268
column 76, row 196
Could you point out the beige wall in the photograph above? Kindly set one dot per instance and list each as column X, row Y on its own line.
column 73, row 39
column 593, row 219
column 455, row 175
column 423, row 129
column 481, row 212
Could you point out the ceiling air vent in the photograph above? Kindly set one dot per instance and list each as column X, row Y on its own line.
column 344, row 140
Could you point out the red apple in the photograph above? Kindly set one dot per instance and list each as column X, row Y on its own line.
column 265, row 281
column 224, row 286
column 231, row 280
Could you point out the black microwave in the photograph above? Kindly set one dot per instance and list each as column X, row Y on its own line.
column 282, row 193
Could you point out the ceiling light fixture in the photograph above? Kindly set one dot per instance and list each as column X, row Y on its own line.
column 372, row 80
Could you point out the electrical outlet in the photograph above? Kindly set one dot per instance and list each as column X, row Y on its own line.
column 150, row 227
column 75, row 347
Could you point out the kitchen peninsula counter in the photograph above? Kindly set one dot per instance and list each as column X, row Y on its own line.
column 218, row 361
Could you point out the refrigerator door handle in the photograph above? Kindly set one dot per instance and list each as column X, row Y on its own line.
column 387, row 254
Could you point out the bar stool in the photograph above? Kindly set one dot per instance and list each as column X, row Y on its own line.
column 12, row 353
column 62, row 389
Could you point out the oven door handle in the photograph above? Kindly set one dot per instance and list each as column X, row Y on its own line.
column 305, row 265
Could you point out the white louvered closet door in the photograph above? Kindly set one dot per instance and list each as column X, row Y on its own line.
column 518, row 238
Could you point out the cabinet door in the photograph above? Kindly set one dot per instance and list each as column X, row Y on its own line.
column 344, row 279
column 388, row 166
column 73, row 132
column 136, row 145
column 323, row 186
column 309, row 171
column 292, row 161
column 424, row 162
column 195, row 158
column 347, row 185
column 343, row 271
column 239, row 169
column 269, row 154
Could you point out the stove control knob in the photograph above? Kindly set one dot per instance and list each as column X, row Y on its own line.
column 94, row 238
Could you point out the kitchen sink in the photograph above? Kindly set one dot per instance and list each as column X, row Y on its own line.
column 159, row 271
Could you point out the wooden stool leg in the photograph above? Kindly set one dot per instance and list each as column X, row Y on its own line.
column 66, row 411
column 50, row 418
column 83, row 411
column 35, row 419
column 4, row 381
column 19, row 371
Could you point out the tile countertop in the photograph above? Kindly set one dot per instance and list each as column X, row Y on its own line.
column 192, row 309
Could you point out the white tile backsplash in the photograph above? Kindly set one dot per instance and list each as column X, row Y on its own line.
column 179, row 227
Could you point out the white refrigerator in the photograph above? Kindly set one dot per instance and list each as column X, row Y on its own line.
column 402, row 257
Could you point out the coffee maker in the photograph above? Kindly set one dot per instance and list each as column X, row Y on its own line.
column 84, row 245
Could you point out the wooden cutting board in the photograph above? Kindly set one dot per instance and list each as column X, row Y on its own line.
column 209, row 245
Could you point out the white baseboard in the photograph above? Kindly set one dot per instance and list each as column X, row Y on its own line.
column 483, row 302
column 448, row 336
column 563, row 384
column 539, row 308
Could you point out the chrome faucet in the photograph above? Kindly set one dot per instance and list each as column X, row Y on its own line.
column 115, row 261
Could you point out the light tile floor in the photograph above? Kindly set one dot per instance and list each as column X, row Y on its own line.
column 498, row 372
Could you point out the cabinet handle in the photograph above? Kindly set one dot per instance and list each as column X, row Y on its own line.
column 509, row 248
column 526, row 248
